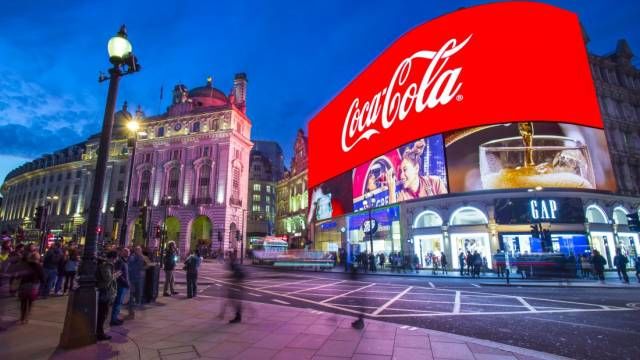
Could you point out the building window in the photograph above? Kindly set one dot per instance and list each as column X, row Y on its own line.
column 69, row 175
column 123, row 168
column 256, row 198
column 120, row 185
column 174, row 180
column 203, row 182
column 256, row 208
column 145, row 182
column 267, row 208
column 175, row 155
column 78, row 174
column 269, row 188
column 205, row 151
column 59, row 176
column 256, row 187
column 235, row 189
column 66, row 190
column 161, row 131
column 76, row 189
column 147, row 158
column 196, row 126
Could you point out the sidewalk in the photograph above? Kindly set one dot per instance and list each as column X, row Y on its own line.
column 177, row 328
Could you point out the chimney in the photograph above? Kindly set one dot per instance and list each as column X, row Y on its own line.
column 240, row 91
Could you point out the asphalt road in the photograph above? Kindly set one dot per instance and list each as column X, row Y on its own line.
column 579, row 323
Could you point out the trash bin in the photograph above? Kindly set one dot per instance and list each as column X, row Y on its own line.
column 151, row 283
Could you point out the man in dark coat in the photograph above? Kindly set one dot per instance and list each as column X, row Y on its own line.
column 598, row 262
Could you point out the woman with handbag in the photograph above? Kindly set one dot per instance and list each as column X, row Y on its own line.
column 30, row 279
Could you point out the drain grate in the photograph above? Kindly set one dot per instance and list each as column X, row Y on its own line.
column 185, row 352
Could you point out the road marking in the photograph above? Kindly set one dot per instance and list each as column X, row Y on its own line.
column 316, row 287
column 413, row 328
column 526, row 304
column 392, row 300
column 347, row 293
column 431, row 284
column 254, row 294
column 280, row 301
column 285, row 284
column 585, row 325
column 218, row 284
column 404, row 326
column 476, row 285
column 456, row 303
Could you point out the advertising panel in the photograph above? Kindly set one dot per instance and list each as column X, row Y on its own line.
column 477, row 66
column 528, row 155
column 331, row 198
column 413, row 171
column 543, row 209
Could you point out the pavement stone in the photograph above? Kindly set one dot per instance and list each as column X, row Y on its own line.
column 178, row 329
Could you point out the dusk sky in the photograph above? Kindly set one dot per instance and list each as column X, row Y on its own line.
column 297, row 55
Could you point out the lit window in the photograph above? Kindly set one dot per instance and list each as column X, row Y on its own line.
column 256, row 198
column 256, row 187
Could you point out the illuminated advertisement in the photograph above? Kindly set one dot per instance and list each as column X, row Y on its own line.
column 531, row 210
column 413, row 171
column 462, row 71
column 528, row 156
column 332, row 198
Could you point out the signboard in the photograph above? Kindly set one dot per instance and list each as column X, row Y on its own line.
column 541, row 209
column 476, row 67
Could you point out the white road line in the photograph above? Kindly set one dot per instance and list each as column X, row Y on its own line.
column 285, row 284
column 526, row 304
column 218, row 284
column 254, row 294
column 585, row 325
column 316, row 287
column 476, row 285
column 494, row 313
column 456, row 303
column 431, row 284
column 280, row 301
column 391, row 301
column 347, row 293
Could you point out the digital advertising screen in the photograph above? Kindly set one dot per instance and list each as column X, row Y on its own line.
column 528, row 155
column 331, row 198
column 415, row 170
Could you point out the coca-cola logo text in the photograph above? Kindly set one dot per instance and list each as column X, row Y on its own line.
column 438, row 86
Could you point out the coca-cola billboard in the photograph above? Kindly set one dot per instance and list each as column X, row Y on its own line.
column 485, row 65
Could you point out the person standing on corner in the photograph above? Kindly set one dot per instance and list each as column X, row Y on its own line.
column 191, row 266
column 170, row 259
column 136, row 265
column 598, row 262
column 461, row 260
column 122, row 281
column 620, row 261
column 106, row 284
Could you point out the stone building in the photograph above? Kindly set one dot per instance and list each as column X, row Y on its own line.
column 292, row 197
column 191, row 171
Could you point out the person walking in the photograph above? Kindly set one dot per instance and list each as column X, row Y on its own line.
column 444, row 263
column 461, row 260
column 122, row 282
column 107, row 291
column 60, row 278
column 170, row 259
column 136, row 267
column 620, row 261
column 638, row 267
column 598, row 262
column 32, row 275
column 70, row 270
column 235, row 292
column 191, row 266
column 51, row 262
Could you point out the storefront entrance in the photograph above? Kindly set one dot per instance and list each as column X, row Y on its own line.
column 429, row 249
column 605, row 244
column 628, row 243
column 470, row 242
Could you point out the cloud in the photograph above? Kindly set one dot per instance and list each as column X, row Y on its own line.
column 34, row 120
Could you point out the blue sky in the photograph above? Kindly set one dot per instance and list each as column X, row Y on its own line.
column 297, row 56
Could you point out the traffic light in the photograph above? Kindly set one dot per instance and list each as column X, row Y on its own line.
column 634, row 222
column 41, row 213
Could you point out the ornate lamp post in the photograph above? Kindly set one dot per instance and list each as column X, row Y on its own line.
column 80, row 321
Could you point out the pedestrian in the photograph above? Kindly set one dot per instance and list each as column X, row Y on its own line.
column 122, row 282
column 107, row 291
column 235, row 292
column 476, row 264
column 31, row 277
column 5, row 253
column 586, row 266
column 70, row 270
column 638, row 267
column 461, row 260
column 372, row 262
column 136, row 267
column 14, row 264
column 416, row 261
column 620, row 261
column 382, row 260
column 444, row 263
column 170, row 259
column 51, row 262
column 469, row 260
column 60, row 279
column 598, row 262
column 191, row 266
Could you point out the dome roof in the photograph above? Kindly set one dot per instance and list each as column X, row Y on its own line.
column 208, row 96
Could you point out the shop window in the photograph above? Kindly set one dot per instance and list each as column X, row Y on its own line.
column 427, row 218
column 596, row 215
column 620, row 216
column 468, row 216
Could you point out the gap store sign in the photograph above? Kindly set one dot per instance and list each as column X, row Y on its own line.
column 541, row 209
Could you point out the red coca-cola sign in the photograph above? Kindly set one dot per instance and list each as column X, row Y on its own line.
column 489, row 64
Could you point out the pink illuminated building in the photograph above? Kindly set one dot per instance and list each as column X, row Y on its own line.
column 190, row 172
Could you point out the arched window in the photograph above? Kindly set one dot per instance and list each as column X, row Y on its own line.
column 468, row 216
column 174, row 180
column 596, row 215
column 620, row 216
column 427, row 218
column 203, row 181
column 145, row 183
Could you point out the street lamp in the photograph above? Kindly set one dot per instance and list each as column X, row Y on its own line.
column 45, row 223
column 133, row 126
column 80, row 322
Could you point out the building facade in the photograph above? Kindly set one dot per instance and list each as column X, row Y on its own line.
column 63, row 182
column 265, row 170
column 293, row 199
column 191, row 172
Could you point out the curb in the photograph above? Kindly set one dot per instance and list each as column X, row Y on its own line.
column 559, row 285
